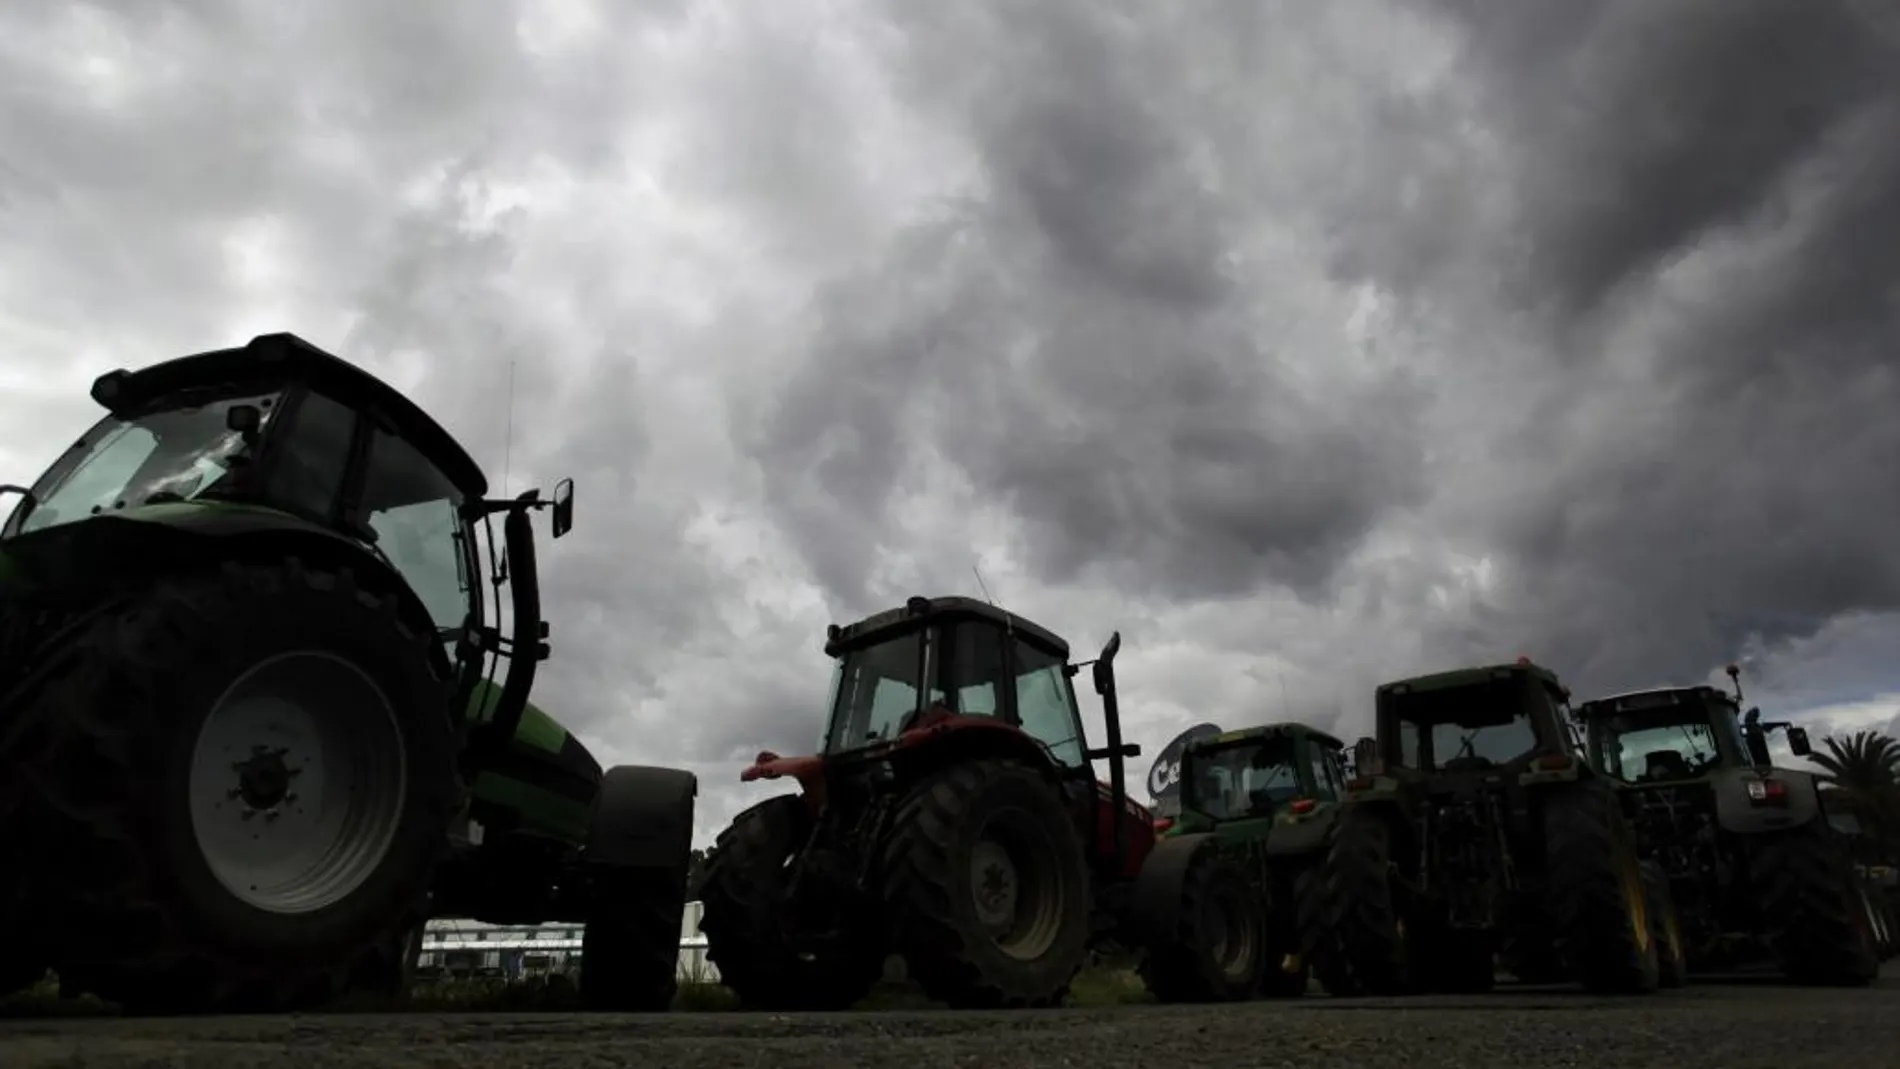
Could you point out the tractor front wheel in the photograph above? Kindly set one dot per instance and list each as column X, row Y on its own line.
column 242, row 781
column 1817, row 925
column 636, row 898
column 1349, row 921
column 1597, row 893
column 745, row 909
column 1214, row 949
column 988, row 886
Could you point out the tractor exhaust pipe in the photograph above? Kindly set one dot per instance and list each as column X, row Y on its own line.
column 1104, row 673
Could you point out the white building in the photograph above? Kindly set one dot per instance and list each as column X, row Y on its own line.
column 471, row 947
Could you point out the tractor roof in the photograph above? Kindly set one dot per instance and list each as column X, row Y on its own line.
column 920, row 610
column 275, row 358
column 1651, row 698
column 1289, row 730
column 1471, row 677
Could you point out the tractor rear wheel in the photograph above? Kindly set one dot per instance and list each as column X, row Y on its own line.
column 744, row 912
column 1816, row 925
column 242, row 780
column 1665, row 928
column 1215, row 949
column 1595, row 882
column 988, row 886
column 1350, row 928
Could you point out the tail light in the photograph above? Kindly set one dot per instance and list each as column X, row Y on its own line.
column 1163, row 824
column 1301, row 806
column 1768, row 792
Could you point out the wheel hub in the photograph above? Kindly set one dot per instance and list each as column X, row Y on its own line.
column 995, row 879
column 264, row 778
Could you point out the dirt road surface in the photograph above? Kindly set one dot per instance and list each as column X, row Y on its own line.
column 1728, row 1026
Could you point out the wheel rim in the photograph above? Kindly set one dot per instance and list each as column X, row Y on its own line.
column 1015, row 886
column 297, row 782
column 1232, row 939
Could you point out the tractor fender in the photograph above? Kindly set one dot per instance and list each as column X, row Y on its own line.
column 1156, row 901
column 642, row 818
column 1738, row 814
column 108, row 553
column 1303, row 835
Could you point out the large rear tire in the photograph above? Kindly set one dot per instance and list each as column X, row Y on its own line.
column 1350, row 927
column 744, row 913
column 988, row 886
column 1816, row 926
column 1596, row 891
column 242, row 781
column 1215, row 951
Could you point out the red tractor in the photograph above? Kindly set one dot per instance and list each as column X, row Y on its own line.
column 953, row 817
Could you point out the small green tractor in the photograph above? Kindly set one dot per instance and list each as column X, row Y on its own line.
column 251, row 731
column 1755, row 868
column 1257, row 808
column 951, row 817
column 1471, row 829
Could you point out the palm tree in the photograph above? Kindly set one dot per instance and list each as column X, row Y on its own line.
column 1866, row 767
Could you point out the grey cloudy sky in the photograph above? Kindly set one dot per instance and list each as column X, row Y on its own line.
column 1308, row 344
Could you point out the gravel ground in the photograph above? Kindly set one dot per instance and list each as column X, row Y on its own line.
column 1726, row 1026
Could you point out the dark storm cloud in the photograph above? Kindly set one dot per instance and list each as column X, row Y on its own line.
column 1743, row 483
column 1086, row 341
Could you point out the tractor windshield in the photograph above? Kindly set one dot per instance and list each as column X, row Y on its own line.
column 1251, row 778
column 1464, row 727
column 1673, row 739
column 178, row 453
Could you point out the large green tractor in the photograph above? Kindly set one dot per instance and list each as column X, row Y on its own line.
column 1473, row 830
column 255, row 725
column 1756, row 869
column 1256, row 810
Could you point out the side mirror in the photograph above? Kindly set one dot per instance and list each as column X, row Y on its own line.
column 1798, row 742
column 563, row 507
column 1104, row 669
column 246, row 420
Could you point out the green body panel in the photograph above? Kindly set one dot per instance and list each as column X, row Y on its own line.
column 542, row 811
column 538, row 730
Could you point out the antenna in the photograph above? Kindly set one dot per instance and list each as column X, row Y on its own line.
column 980, row 585
column 508, row 441
column 1009, row 620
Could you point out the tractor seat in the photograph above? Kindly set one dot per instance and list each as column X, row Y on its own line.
column 1666, row 765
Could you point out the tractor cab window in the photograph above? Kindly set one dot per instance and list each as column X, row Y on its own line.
column 1466, row 728
column 1253, row 778
column 1659, row 744
column 178, row 453
column 1045, row 703
column 310, row 456
column 415, row 513
column 976, row 674
column 1329, row 781
column 876, row 690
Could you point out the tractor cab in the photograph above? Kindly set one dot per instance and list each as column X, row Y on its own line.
column 1272, row 771
column 1680, row 734
column 1470, row 721
column 283, row 441
column 936, row 662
